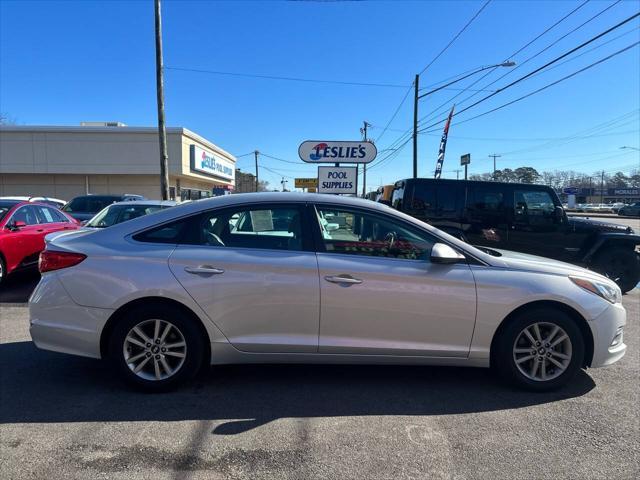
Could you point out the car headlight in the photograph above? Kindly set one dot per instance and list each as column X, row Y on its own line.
column 608, row 292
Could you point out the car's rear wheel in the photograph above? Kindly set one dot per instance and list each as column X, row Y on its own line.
column 156, row 348
column 622, row 265
column 540, row 350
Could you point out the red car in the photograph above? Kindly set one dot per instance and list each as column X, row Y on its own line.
column 23, row 226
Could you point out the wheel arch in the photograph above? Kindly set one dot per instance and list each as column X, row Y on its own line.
column 156, row 301
column 580, row 321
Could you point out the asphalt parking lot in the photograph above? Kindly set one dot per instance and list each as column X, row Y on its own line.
column 69, row 417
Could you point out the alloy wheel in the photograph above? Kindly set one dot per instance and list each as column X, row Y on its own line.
column 542, row 351
column 154, row 349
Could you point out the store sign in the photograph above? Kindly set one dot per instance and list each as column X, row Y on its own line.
column 465, row 159
column 337, row 180
column 317, row 151
column 306, row 182
column 209, row 163
column 570, row 190
column 626, row 191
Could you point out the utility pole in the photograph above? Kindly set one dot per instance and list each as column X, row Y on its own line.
column 365, row 125
column 162, row 130
column 458, row 174
column 283, row 182
column 416, row 85
column 255, row 153
column 494, row 161
column 602, row 187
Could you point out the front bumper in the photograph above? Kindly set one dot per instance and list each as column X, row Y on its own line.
column 608, row 338
column 57, row 323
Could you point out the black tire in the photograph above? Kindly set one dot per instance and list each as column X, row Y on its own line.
column 3, row 270
column 186, row 367
column 620, row 264
column 504, row 361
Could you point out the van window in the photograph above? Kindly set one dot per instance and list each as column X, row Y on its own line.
column 434, row 198
column 485, row 199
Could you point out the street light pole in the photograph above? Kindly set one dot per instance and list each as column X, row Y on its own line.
column 417, row 96
column 255, row 153
column 162, row 130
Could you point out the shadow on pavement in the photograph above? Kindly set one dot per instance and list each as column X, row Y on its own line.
column 38, row 386
column 18, row 287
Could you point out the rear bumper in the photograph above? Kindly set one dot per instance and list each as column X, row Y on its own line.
column 608, row 336
column 60, row 325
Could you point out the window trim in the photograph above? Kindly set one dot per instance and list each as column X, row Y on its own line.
column 307, row 238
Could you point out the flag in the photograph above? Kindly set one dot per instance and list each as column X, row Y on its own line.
column 443, row 145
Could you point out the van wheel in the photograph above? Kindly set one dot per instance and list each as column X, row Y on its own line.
column 622, row 265
column 540, row 350
column 156, row 348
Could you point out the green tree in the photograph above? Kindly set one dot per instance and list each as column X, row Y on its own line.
column 526, row 174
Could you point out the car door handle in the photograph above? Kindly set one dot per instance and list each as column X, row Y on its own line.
column 343, row 279
column 204, row 270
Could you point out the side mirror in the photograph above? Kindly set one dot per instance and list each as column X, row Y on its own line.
column 444, row 254
column 16, row 225
column 558, row 213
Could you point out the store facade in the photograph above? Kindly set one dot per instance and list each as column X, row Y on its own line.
column 64, row 162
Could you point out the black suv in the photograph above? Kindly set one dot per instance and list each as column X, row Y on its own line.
column 84, row 207
column 521, row 217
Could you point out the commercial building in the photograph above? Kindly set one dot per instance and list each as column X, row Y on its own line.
column 109, row 158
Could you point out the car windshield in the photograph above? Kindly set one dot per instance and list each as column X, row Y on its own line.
column 5, row 207
column 121, row 213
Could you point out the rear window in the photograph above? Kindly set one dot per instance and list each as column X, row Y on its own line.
column 167, row 233
column 89, row 204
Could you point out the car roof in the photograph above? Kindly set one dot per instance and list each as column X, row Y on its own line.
column 152, row 203
column 10, row 203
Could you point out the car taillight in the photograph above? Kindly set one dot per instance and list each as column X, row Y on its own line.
column 51, row 260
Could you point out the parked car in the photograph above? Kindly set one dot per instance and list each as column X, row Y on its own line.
column 54, row 202
column 384, row 194
column 84, row 207
column 123, row 211
column 630, row 210
column 523, row 218
column 615, row 207
column 227, row 280
column 23, row 226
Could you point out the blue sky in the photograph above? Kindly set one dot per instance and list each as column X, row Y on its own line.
column 62, row 62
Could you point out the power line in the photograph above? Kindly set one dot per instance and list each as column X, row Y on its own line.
column 567, row 77
column 555, row 42
column 555, row 60
column 395, row 113
column 290, row 79
column 456, row 36
column 435, row 112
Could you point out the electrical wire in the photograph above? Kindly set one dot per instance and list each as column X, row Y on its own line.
column 445, row 104
column 552, row 44
column 456, row 36
column 549, row 85
column 533, row 72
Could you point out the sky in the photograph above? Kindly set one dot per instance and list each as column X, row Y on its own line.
column 64, row 62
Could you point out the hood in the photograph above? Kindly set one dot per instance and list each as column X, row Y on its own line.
column 586, row 224
column 533, row 263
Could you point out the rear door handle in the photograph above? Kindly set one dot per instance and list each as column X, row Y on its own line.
column 343, row 279
column 204, row 270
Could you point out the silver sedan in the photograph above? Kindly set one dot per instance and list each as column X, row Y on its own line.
column 318, row 279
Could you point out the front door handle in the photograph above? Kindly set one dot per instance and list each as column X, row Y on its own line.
column 343, row 279
column 204, row 270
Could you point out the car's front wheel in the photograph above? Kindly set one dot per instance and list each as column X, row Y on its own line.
column 622, row 265
column 540, row 350
column 156, row 348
